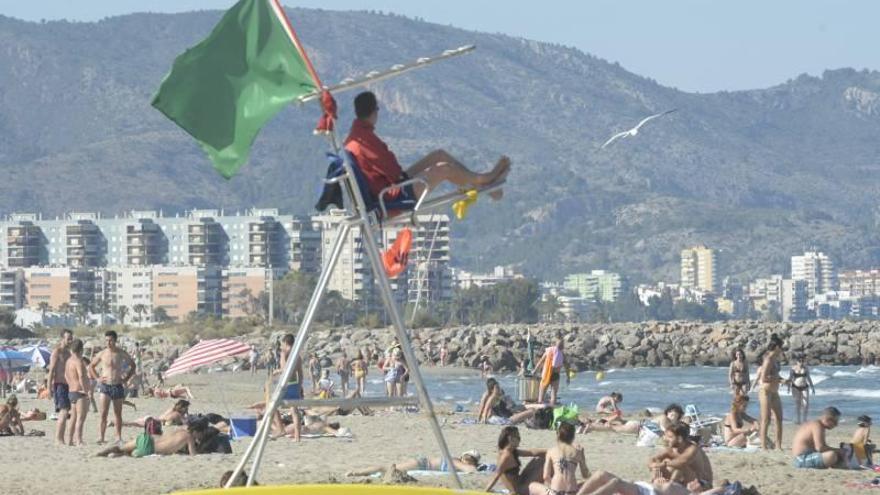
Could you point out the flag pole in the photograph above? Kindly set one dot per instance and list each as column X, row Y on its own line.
column 291, row 33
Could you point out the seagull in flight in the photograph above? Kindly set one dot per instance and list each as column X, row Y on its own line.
column 635, row 130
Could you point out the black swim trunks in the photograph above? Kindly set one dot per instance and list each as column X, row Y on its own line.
column 554, row 376
column 116, row 391
column 61, row 394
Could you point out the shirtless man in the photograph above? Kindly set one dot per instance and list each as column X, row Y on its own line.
column 809, row 447
column 683, row 461
column 112, row 361
column 167, row 444
column 58, row 384
column 77, row 377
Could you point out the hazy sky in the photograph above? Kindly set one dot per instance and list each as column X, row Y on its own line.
column 696, row 45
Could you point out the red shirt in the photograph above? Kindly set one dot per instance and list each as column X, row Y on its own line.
column 376, row 161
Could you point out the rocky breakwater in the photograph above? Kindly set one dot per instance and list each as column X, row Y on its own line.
column 595, row 346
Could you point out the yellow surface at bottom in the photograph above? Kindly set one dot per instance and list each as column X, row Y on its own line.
column 333, row 490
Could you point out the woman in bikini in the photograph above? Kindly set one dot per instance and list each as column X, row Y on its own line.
column 495, row 403
column 469, row 462
column 737, row 424
column 175, row 392
column 738, row 375
column 798, row 383
column 517, row 479
column 768, row 377
column 562, row 463
column 359, row 370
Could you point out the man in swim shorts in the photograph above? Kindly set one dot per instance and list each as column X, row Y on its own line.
column 58, row 383
column 112, row 361
column 809, row 447
column 683, row 461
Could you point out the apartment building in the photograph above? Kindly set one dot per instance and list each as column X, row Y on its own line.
column 463, row 279
column 700, row 269
column 427, row 277
column 256, row 237
column 794, row 300
column 860, row 282
column 11, row 288
column 598, row 285
column 816, row 269
column 241, row 290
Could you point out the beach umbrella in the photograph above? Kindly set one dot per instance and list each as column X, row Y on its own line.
column 12, row 360
column 40, row 355
column 206, row 353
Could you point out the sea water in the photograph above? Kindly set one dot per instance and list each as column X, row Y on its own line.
column 855, row 390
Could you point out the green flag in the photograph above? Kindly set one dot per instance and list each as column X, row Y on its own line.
column 223, row 90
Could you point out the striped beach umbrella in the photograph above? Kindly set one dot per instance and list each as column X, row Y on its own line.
column 206, row 353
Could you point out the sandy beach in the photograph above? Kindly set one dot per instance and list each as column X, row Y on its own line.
column 30, row 463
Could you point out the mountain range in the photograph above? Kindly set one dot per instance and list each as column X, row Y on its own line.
column 760, row 175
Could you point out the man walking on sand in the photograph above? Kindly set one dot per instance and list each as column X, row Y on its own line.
column 809, row 447
column 57, row 383
column 552, row 363
column 112, row 361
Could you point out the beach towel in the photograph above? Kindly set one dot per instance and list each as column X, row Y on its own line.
column 739, row 450
column 547, row 373
column 342, row 433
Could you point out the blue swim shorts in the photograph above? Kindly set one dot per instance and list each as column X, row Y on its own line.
column 116, row 391
column 60, row 393
column 809, row 460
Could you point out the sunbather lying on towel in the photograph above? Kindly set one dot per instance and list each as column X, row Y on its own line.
column 167, row 444
column 469, row 462
column 605, row 483
column 175, row 392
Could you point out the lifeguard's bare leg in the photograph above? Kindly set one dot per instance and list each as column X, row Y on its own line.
column 439, row 166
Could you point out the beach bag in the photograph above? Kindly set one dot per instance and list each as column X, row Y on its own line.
column 542, row 419
column 649, row 434
column 565, row 414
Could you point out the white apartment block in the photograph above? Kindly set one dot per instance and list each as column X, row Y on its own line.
column 427, row 277
column 816, row 269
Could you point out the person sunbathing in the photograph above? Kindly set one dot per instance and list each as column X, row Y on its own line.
column 517, row 479
column 495, row 403
column 10, row 418
column 175, row 392
column 468, row 462
column 605, row 483
column 175, row 416
column 630, row 427
column 33, row 415
column 673, row 415
column 683, row 460
column 311, row 425
column 167, row 444
column 738, row 425
column 562, row 463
